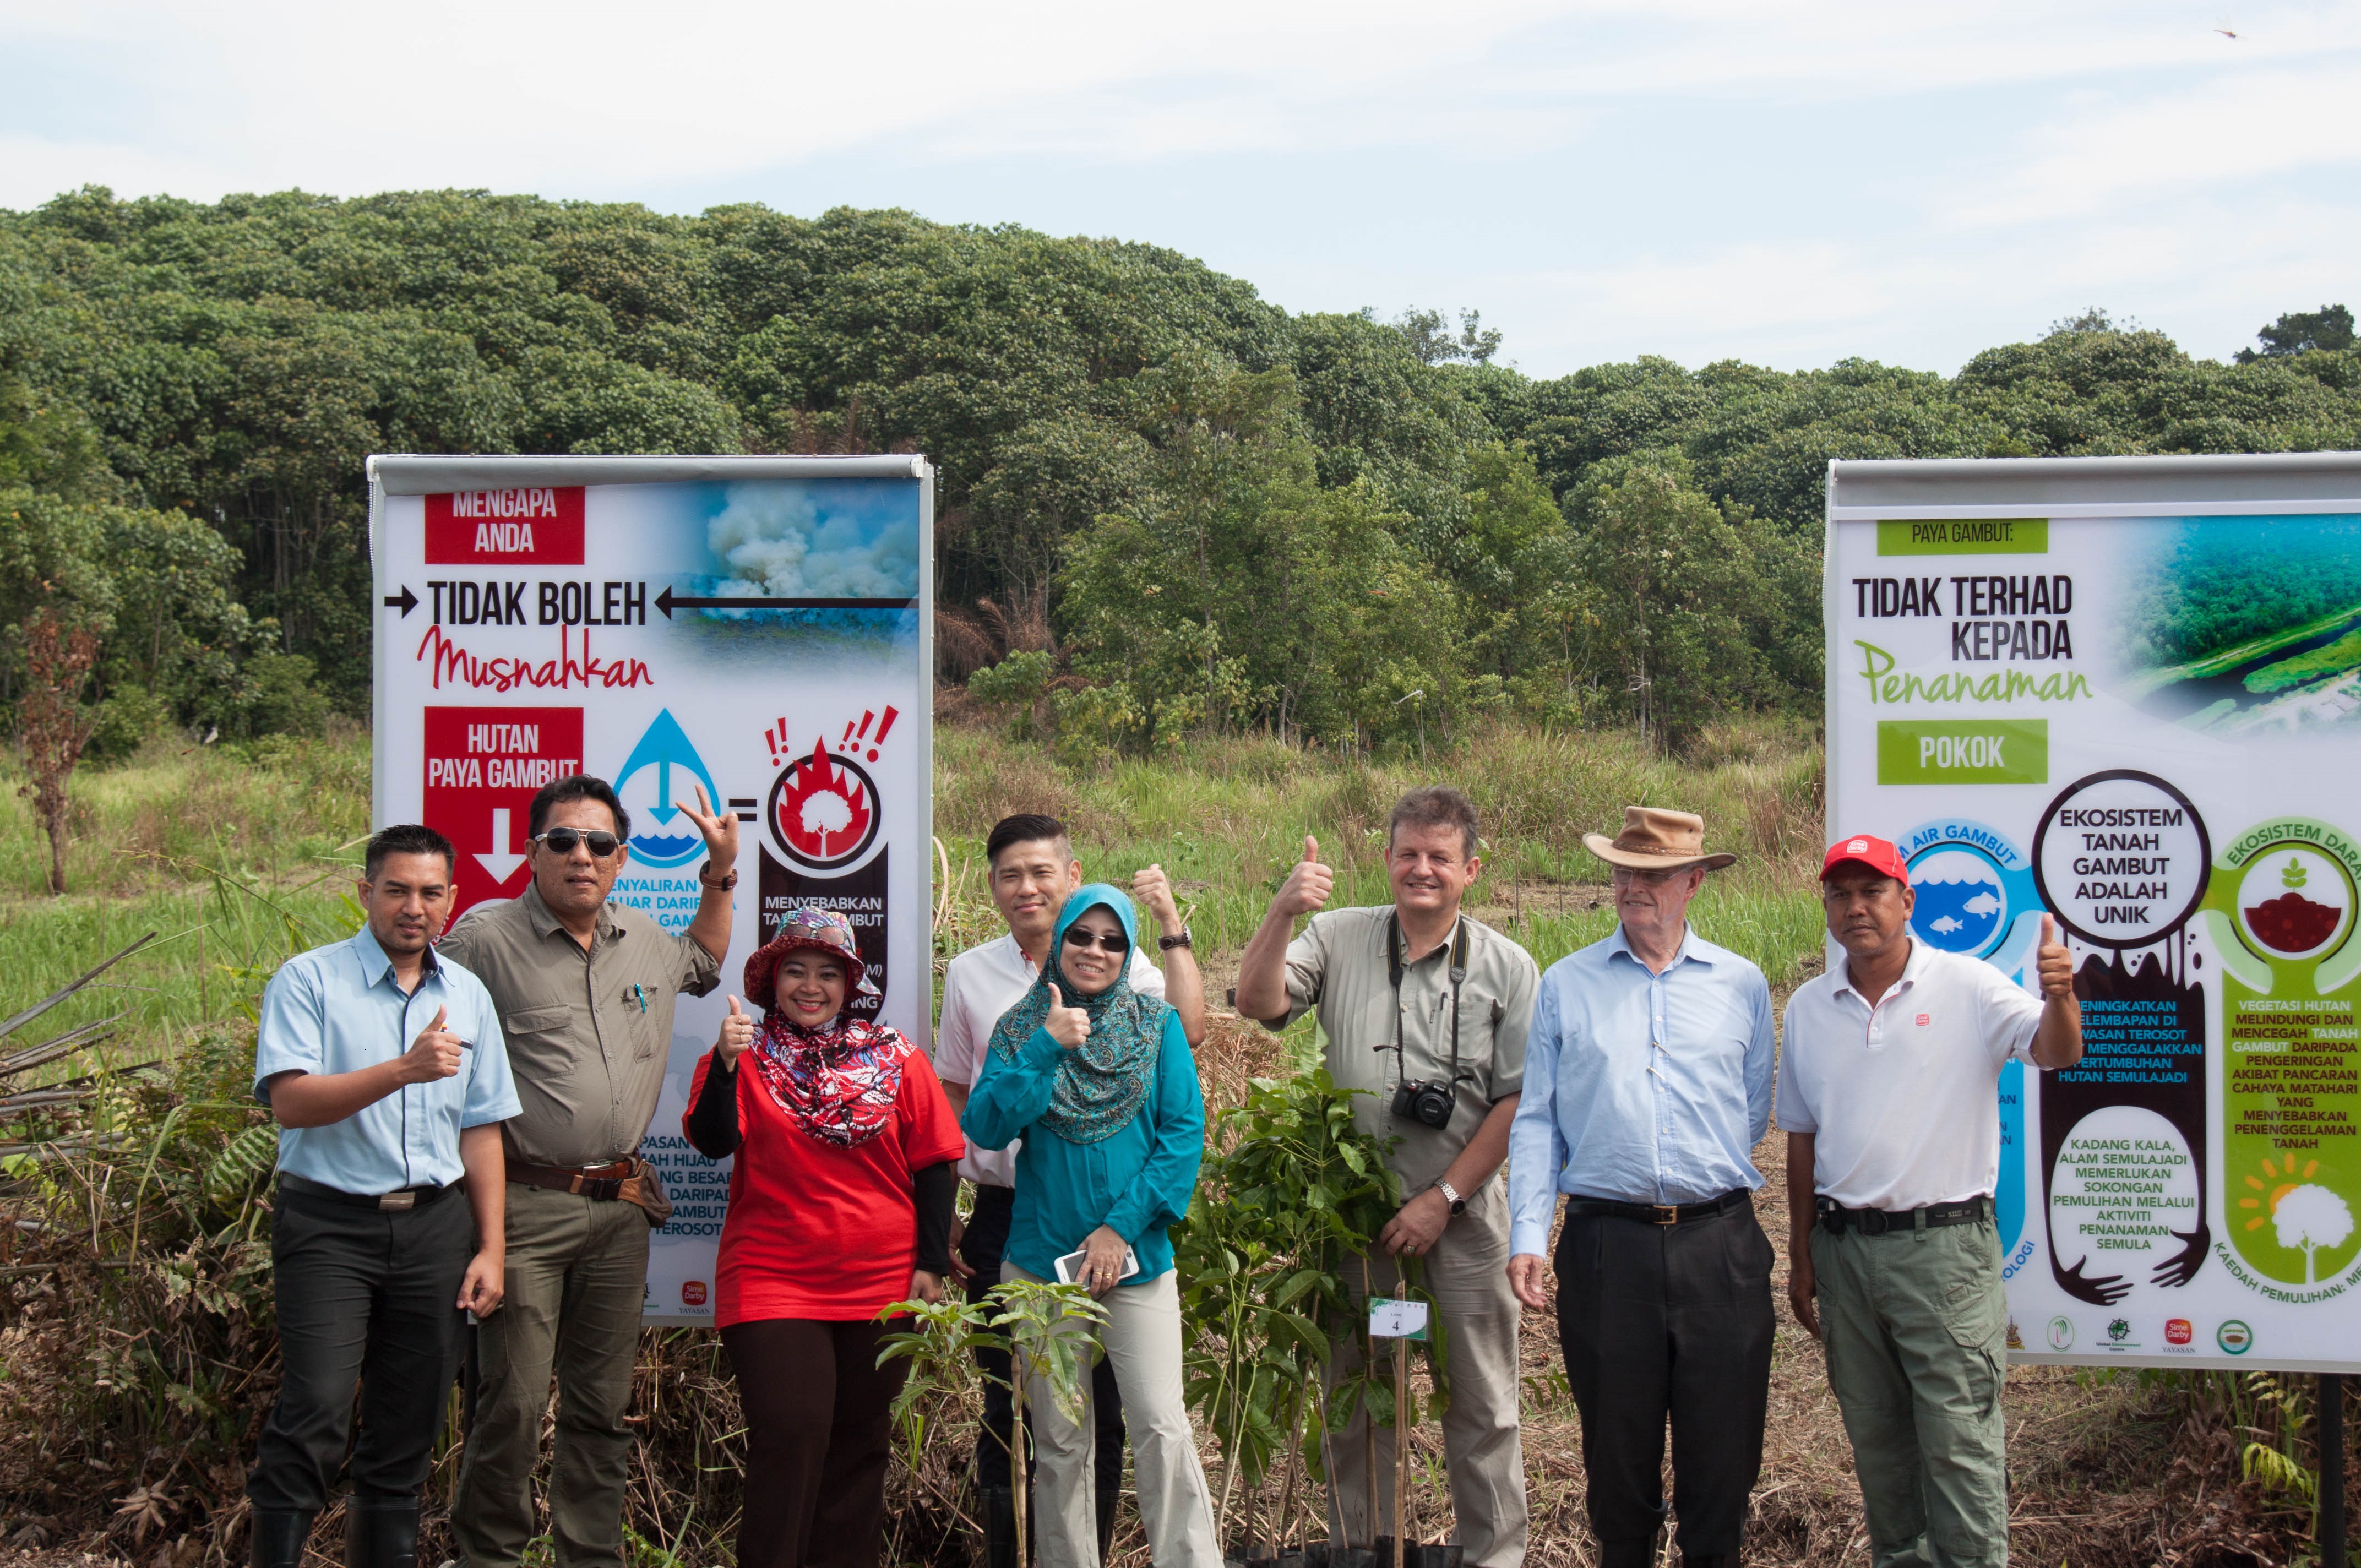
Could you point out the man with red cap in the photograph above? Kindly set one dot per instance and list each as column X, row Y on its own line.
column 1889, row 1083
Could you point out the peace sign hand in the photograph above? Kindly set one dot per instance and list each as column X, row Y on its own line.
column 719, row 830
column 1069, row 1026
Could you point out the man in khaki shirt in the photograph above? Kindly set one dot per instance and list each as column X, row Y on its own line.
column 585, row 990
column 1382, row 981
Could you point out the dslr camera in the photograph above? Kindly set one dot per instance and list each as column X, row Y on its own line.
column 1430, row 1103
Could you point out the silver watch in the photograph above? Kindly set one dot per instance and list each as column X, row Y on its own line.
column 1451, row 1196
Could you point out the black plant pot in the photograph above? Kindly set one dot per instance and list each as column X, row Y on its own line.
column 1351, row 1557
column 1314, row 1555
column 1437, row 1556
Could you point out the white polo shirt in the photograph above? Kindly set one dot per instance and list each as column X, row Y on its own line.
column 1904, row 1099
column 979, row 986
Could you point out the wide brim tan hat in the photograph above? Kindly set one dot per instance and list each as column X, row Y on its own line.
column 1654, row 840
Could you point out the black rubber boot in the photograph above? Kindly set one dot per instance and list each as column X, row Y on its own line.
column 278, row 1538
column 999, row 1527
column 1109, row 1499
column 382, row 1532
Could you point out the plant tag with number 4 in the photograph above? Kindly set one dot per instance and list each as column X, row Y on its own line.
column 1396, row 1320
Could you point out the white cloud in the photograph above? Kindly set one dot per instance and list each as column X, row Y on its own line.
column 2247, row 128
column 1998, row 165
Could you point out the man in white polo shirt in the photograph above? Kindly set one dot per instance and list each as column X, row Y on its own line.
column 1889, row 1081
column 1033, row 871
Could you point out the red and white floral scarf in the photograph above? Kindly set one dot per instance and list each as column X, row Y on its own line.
column 837, row 1084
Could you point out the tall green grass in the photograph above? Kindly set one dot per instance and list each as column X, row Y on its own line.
column 231, row 855
column 227, row 850
column 1227, row 817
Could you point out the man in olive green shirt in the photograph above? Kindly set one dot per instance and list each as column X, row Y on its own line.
column 585, row 990
column 1418, row 992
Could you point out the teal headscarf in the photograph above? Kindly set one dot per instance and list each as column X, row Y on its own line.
column 1102, row 1083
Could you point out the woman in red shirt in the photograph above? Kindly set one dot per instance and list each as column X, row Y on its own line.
column 841, row 1204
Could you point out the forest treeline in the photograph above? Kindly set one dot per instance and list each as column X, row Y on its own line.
column 1163, row 503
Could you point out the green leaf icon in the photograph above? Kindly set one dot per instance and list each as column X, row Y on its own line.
column 2294, row 875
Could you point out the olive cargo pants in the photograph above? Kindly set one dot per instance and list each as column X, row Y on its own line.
column 577, row 1273
column 1917, row 1333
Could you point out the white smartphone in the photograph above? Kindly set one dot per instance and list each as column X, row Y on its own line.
column 1071, row 1265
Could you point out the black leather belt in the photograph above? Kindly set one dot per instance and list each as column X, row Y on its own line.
column 1661, row 1214
column 1834, row 1216
column 395, row 1201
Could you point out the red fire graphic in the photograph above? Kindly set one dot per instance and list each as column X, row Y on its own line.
column 823, row 810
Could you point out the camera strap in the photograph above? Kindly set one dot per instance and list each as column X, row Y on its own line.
column 1394, row 974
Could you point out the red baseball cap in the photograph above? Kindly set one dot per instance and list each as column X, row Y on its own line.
column 1878, row 854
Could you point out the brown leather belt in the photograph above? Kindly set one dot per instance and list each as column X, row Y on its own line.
column 606, row 1183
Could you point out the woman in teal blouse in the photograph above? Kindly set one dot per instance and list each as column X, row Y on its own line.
column 1098, row 1082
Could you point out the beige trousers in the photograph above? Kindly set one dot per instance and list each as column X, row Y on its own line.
column 1142, row 1339
column 1467, row 1271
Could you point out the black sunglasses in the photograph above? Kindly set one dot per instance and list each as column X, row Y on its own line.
column 1106, row 941
column 560, row 841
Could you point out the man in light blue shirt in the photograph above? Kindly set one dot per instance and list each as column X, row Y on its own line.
column 388, row 1077
column 1648, row 1081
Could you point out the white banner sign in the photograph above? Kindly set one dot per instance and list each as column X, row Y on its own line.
column 2148, row 725
column 758, row 627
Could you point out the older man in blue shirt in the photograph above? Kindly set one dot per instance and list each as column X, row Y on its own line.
column 1648, row 1081
column 388, row 1077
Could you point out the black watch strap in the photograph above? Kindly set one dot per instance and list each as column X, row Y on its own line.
column 725, row 885
column 1166, row 944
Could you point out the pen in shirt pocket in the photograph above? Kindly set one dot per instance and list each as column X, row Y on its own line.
column 637, row 994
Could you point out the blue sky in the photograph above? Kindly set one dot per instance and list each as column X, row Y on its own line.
column 1786, row 183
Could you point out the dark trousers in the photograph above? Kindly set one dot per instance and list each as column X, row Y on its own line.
column 981, row 1247
column 818, row 1432
column 365, row 1296
column 1658, row 1321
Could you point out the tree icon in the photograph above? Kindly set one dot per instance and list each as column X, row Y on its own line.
column 2309, row 1219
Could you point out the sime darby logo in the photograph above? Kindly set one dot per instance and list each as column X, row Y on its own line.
column 692, row 1292
column 539, row 525
column 2179, row 1331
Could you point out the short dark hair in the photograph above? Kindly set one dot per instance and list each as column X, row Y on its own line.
column 1436, row 806
column 1025, row 828
column 409, row 838
column 577, row 787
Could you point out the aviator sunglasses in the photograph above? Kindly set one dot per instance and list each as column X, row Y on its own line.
column 560, row 841
column 1106, row 941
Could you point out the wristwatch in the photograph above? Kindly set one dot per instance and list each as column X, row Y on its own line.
column 1451, row 1196
column 725, row 885
column 1166, row 944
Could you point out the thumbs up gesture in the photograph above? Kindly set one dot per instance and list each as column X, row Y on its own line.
column 2053, row 963
column 1069, row 1026
column 434, row 1054
column 737, row 1033
column 1308, row 883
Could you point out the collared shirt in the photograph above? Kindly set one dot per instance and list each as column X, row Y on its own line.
column 1138, row 1181
column 339, row 1009
column 1338, row 966
column 1646, row 1087
column 590, row 1032
column 1902, row 1098
column 980, row 985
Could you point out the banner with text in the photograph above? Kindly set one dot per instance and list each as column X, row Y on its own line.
column 762, row 639
column 2148, row 727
